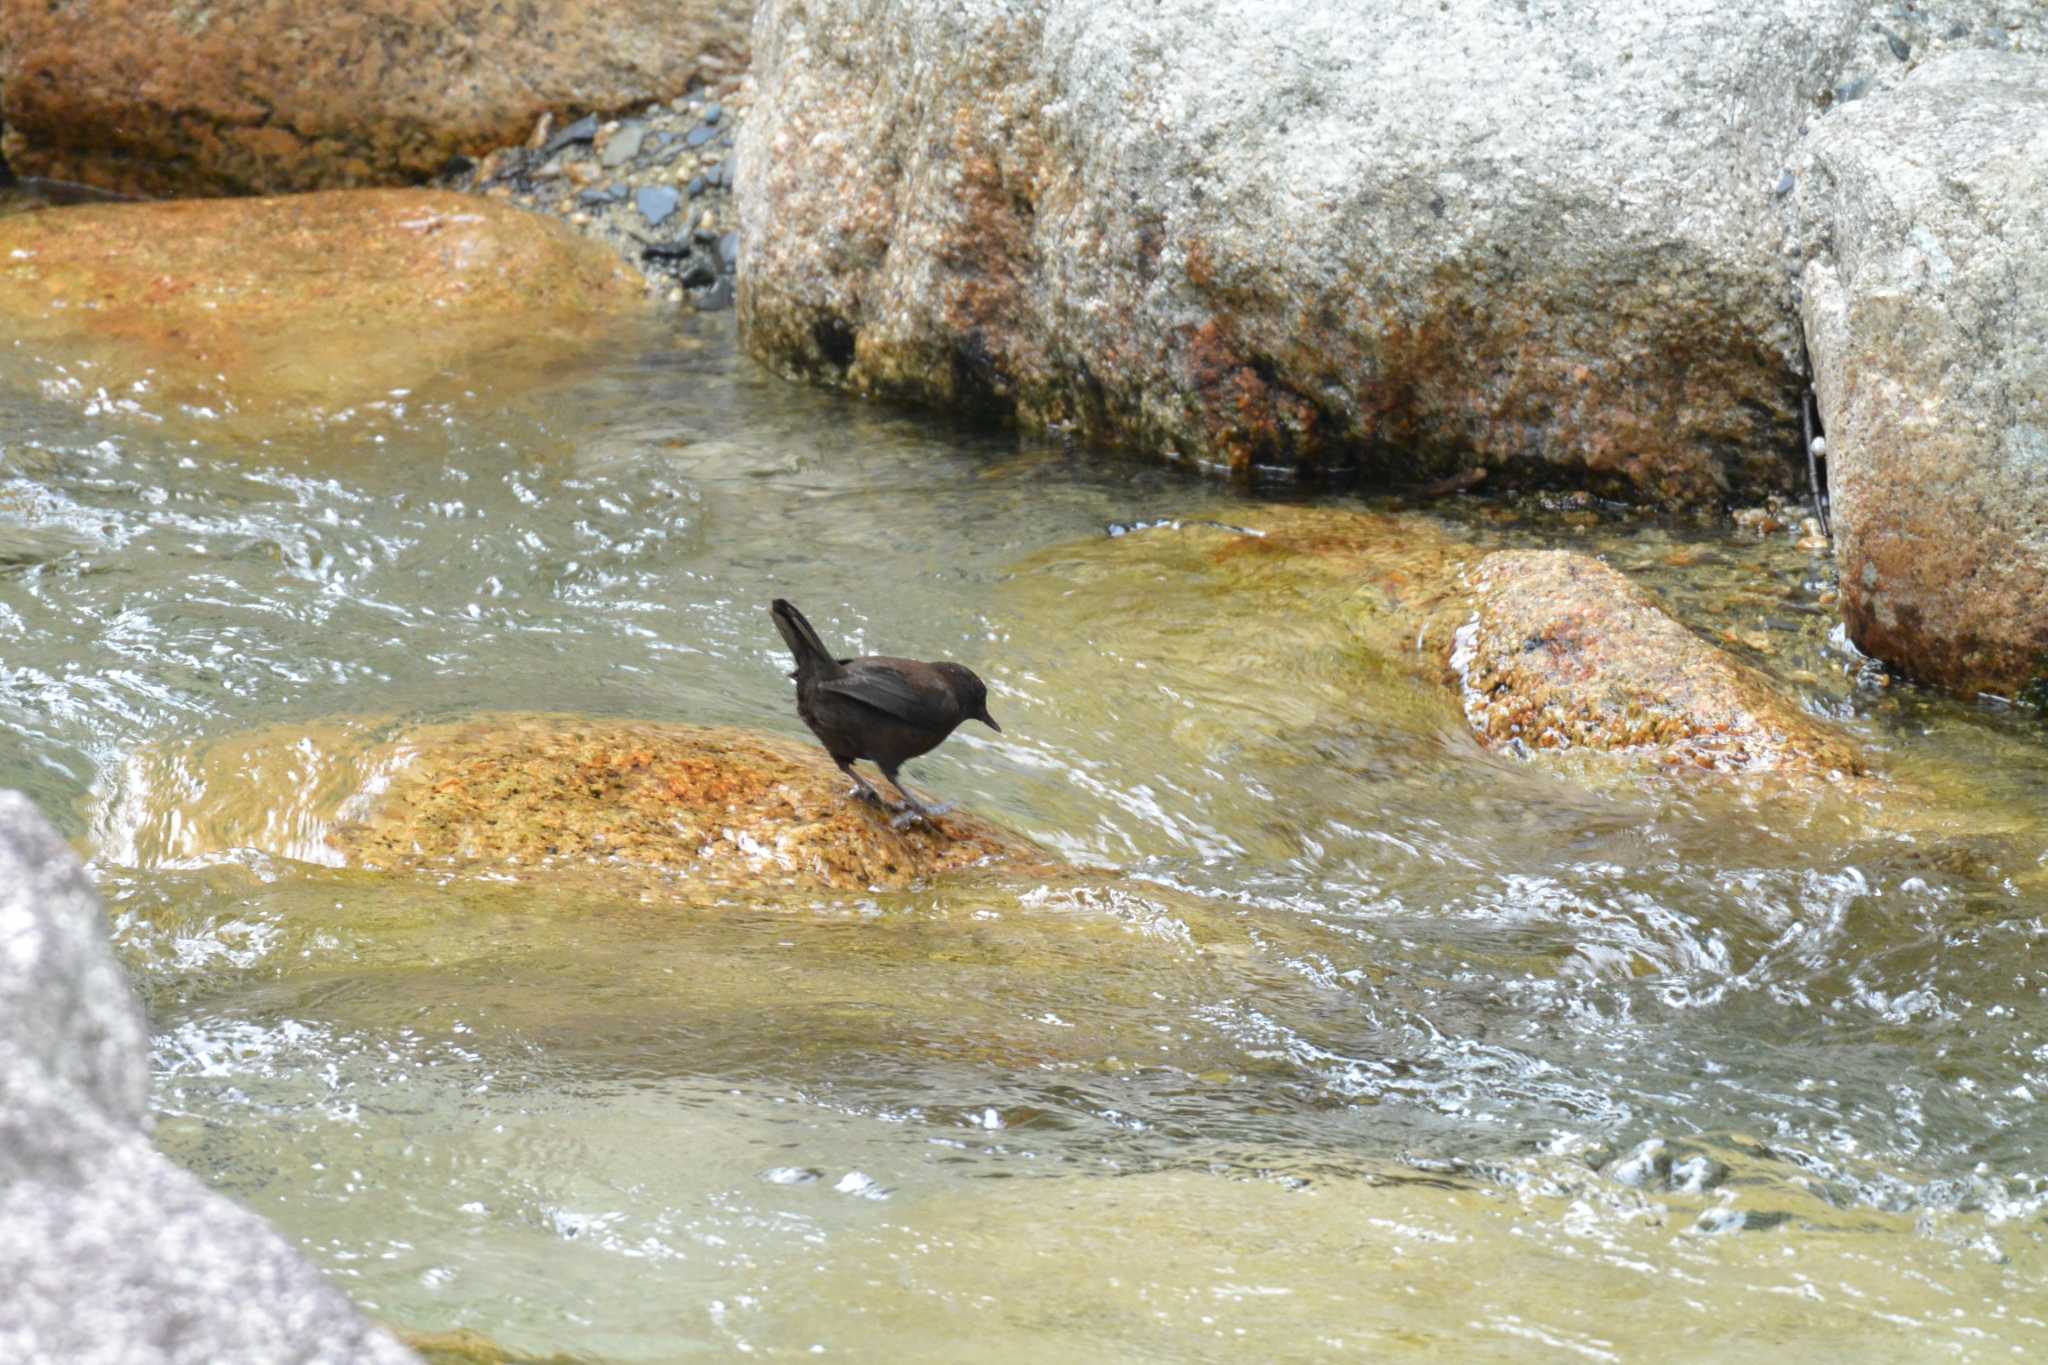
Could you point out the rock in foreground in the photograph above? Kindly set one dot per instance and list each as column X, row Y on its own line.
column 1304, row 234
column 108, row 1251
column 303, row 304
column 266, row 96
column 676, row 814
column 1565, row 653
column 1926, row 305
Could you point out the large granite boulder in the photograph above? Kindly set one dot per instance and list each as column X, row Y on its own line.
column 1412, row 235
column 1926, row 307
column 265, row 96
column 294, row 308
column 109, row 1252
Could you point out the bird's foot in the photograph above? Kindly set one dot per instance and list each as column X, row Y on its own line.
column 861, row 791
column 912, row 812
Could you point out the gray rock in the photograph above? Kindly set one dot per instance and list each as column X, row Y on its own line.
column 717, row 298
column 623, row 145
column 582, row 130
column 1925, row 227
column 108, row 1251
column 698, row 136
column 657, row 203
column 712, row 113
column 729, row 249
column 697, row 185
column 1303, row 233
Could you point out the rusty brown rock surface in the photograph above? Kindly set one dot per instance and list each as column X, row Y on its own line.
column 306, row 302
column 266, row 96
column 663, row 813
column 1563, row 652
column 706, row 807
column 1150, row 225
column 1926, row 301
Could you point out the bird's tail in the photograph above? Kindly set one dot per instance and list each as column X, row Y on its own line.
column 811, row 654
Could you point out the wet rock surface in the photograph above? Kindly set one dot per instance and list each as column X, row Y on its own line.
column 1163, row 230
column 669, row 814
column 255, row 96
column 300, row 305
column 108, row 1251
column 1926, row 300
column 1534, row 651
column 1564, row 653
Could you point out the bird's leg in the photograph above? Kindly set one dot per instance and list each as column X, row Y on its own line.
column 913, row 809
column 863, row 790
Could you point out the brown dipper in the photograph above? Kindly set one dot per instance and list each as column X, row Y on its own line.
column 886, row 710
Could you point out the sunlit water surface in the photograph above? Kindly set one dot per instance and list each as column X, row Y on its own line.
column 1383, row 1045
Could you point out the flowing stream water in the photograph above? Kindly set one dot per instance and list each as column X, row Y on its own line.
column 1379, row 1044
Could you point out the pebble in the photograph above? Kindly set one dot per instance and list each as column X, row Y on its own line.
column 698, row 136
column 582, row 130
column 697, row 185
column 1785, row 184
column 657, row 203
column 623, row 145
column 729, row 249
column 604, row 194
column 712, row 113
column 718, row 298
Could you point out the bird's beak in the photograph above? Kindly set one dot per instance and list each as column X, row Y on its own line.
column 990, row 721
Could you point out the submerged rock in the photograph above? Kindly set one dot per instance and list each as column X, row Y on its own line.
column 254, row 96
column 108, row 1251
column 1223, row 234
column 1314, row 613
column 1563, row 652
column 1926, row 302
column 302, row 304
column 680, row 814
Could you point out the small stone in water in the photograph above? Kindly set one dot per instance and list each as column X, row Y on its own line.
column 1785, row 184
column 792, row 1175
column 697, row 136
column 696, row 185
column 729, row 249
column 718, row 298
column 861, row 1185
column 712, row 113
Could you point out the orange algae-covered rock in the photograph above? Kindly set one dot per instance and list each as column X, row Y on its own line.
column 663, row 813
column 1563, row 652
column 714, row 807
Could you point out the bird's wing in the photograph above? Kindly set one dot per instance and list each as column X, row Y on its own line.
column 879, row 685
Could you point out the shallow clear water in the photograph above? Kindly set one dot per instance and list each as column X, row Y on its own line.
column 1383, row 1045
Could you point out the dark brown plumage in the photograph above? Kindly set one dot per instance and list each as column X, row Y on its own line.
column 882, row 709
